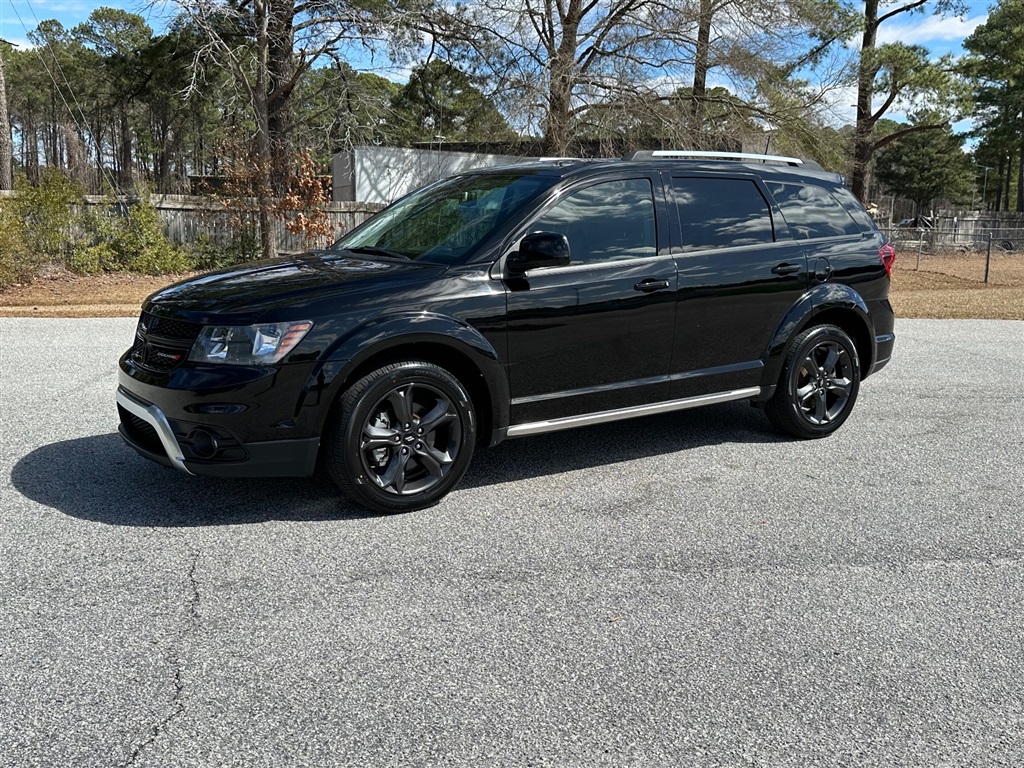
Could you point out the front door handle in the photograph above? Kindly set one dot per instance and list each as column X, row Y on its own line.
column 650, row 285
column 785, row 269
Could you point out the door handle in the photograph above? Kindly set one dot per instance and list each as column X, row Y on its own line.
column 650, row 285
column 785, row 269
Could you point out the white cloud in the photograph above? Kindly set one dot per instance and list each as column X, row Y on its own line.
column 19, row 42
column 921, row 30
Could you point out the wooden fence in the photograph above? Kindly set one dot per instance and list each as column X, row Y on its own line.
column 188, row 219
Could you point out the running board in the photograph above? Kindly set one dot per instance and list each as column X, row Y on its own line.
column 601, row 417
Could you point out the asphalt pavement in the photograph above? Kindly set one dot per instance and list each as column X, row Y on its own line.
column 682, row 590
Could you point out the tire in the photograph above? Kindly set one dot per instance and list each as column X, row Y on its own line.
column 818, row 385
column 402, row 437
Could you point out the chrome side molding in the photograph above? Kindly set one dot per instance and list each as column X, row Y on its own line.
column 601, row 417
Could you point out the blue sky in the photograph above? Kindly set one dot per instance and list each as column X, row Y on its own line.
column 67, row 12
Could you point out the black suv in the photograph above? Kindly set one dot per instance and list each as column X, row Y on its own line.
column 513, row 301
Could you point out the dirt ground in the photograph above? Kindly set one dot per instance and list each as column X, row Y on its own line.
column 953, row 286
column 65, row 295
column 943, row 287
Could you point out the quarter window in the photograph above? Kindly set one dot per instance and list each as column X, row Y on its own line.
column 608, row 221
column 811, row 211
column 721, row 213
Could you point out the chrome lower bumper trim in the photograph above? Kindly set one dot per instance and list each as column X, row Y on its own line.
column 156, row 419
column 586, row 419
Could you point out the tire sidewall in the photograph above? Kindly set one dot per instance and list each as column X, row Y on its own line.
column 791, row 373
column 356, row 409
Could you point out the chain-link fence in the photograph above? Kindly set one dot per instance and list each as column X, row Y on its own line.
column 961, row 248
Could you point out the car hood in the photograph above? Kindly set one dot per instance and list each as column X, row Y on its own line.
column 292, row 282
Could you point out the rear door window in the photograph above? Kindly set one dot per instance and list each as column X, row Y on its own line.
column 721, row 213
column 811, row 211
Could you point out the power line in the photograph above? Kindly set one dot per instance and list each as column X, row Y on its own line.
column 81, row 112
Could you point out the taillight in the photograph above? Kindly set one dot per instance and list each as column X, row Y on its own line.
column 888, row 256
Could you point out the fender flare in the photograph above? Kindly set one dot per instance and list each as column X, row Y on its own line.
column 371, row 339
column 819, row 299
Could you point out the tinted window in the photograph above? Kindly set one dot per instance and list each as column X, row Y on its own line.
column 605, row 222
column 446, row 222
column 811, row 211
column 854, row 208
column 721, row 213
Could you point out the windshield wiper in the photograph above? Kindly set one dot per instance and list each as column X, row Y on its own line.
column 372, row 250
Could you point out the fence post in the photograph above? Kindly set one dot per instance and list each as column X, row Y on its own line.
column 920, row 245
column 988, row 256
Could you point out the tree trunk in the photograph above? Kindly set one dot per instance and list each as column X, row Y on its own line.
column 700, row 64
column 863, row 137
column 281, row 76
column 1020, row 180
column 999, row 185
column 261, row 110
column 77, row 155
column 31, row 149
column 127, row 171
column 1006, row 183
column 558, row 131
column 6, row 145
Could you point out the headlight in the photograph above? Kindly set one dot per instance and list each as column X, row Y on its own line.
column 247, row 344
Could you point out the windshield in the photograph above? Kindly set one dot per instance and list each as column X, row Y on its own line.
column 446, row 222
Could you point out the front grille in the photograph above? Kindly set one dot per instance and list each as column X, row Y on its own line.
column 168, row 328
column 161, row 343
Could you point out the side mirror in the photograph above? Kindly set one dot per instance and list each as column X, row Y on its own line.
column 539, row 249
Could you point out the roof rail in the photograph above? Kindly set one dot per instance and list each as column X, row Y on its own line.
column 685, row 154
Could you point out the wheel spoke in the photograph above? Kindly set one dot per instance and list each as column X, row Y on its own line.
column 819, row 408
column 440, row 414
column 401, row 401
column 378, row 437
column 840, row 387
column 433, row 461
column 394, row 475
column 829, row 366
column 805, row 392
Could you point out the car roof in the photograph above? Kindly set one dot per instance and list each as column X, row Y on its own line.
column 764, row 165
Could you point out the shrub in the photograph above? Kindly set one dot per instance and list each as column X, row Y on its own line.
column 244, row 246
column 50, row 216
column 38, row 225
column 15, row 263
column 129, row 239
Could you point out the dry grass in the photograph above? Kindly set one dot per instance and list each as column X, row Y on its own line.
column 65, row 295
column 944, row 287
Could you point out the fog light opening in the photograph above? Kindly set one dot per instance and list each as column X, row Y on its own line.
column 204, row 443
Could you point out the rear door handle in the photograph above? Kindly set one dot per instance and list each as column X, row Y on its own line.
column 650, row 285
column 785, row 269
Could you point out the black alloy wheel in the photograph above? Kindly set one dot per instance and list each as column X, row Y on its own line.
column 819, row 383
column 403, row 438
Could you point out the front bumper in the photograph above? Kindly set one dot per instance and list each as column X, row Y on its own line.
column 173, row 455
column 150, row 433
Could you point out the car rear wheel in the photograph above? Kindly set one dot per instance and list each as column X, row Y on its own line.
column 402, row 437
column 819, row 383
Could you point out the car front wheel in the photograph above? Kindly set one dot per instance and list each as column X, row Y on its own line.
column 819, row 383
column 402, row 438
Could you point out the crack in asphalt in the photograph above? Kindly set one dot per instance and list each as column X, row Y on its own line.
column 178, row 659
